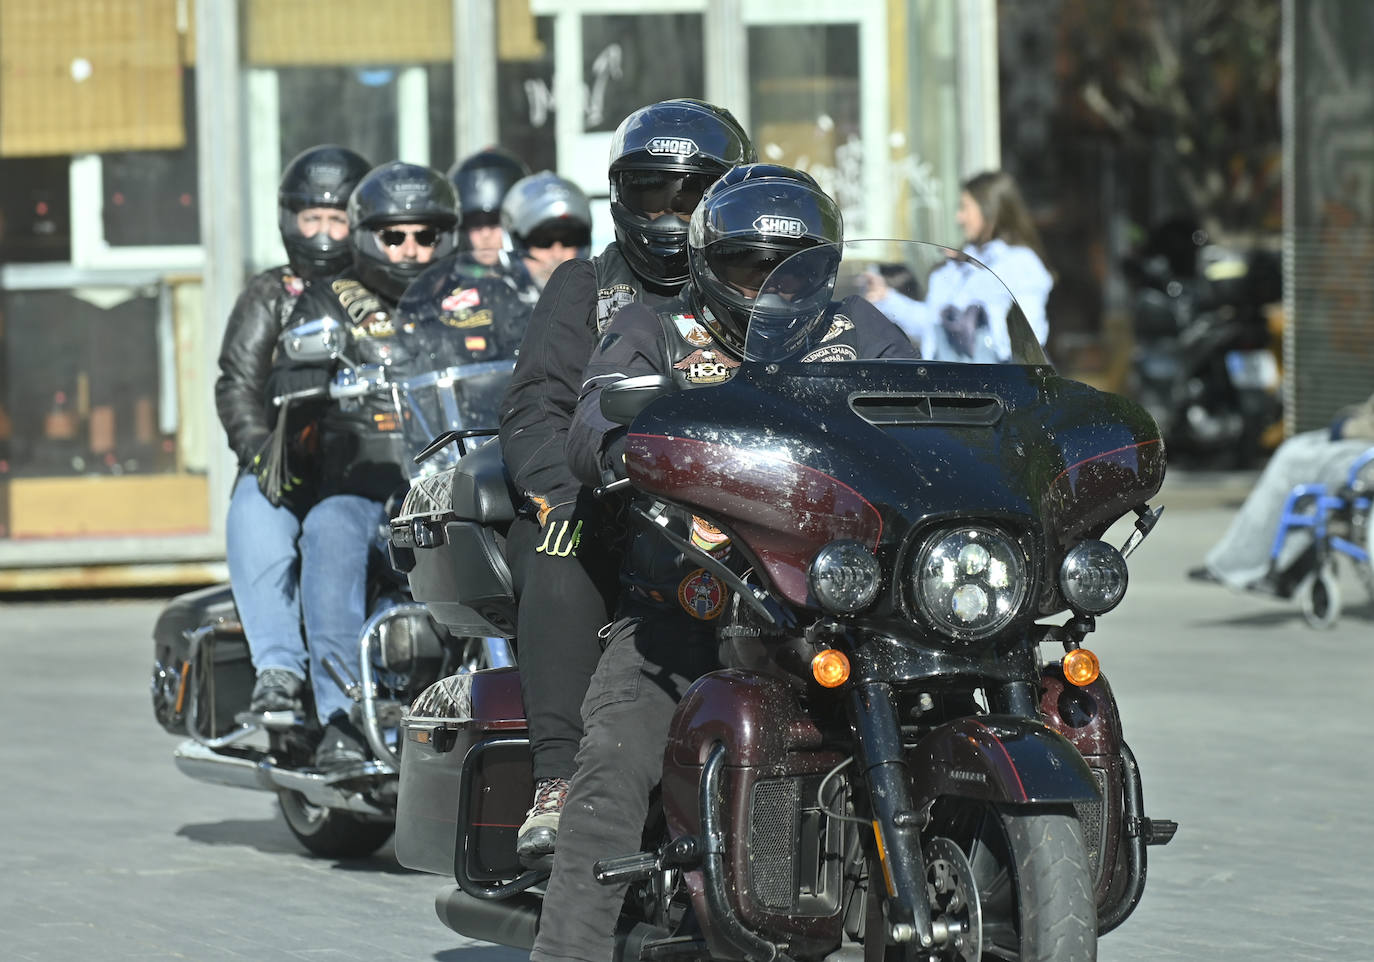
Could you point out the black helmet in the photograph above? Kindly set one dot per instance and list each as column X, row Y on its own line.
column 398, row 193
column 322, row 176
column 544, row 207
column 482, row 181
column 662, row 158
column 749, row 222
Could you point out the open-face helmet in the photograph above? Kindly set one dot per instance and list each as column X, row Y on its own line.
column 749, row 222
column 399, row 193
column 663, row 157
column 322, row 176
column 544, row 208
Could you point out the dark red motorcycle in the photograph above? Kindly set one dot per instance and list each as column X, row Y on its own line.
column 891, row 767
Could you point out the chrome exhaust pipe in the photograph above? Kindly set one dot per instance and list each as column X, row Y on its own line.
column 203, row 764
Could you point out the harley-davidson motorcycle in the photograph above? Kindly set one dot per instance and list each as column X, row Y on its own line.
column 911, row 754
column 203, row 677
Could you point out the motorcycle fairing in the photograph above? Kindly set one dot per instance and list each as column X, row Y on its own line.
column 905, row 443
column 998, row 758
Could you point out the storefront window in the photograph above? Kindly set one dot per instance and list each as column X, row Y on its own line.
column 524, row 84
column 632, row 60
column 35, row 210
column 354, row 107
column 805, row 106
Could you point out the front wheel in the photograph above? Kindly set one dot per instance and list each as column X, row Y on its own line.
column 331, row 833
column 1030, row 876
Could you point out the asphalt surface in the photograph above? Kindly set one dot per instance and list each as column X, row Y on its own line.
column 1250, row 729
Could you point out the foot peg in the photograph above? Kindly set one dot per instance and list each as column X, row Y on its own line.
column 1155, row 831
column 684, row 852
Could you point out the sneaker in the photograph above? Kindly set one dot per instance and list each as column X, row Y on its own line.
column 1203, row 574
column 276, row 690
column 342, row 746
column 537, row 834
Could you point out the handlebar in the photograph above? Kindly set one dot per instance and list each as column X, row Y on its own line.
column 335, row 392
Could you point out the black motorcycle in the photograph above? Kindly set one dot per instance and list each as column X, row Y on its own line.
column 203, row 676
column 891, row 765
column 1204, row 364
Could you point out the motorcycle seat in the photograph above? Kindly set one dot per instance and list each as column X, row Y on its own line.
column 481, row 489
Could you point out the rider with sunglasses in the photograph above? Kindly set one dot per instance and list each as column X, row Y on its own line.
column 563, row 549
column 401, row 217
column 755, row 218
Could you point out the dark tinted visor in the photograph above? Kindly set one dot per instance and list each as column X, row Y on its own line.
column 747, row 268
column 567, row 233
column 654, row 192
column 481, row 218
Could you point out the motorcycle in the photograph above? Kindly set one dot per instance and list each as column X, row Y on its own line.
column 203, row 676
column 1205, row 365
column 888, row 765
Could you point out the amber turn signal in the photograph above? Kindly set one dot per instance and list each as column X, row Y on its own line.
column 1081, row 667
column 830, row 668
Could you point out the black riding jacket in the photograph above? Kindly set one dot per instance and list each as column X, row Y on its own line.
column 573, row 311
column 245, row 357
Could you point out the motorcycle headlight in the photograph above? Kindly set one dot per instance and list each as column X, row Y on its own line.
column 1093, row 577
column 970, row 580
column 845, row 577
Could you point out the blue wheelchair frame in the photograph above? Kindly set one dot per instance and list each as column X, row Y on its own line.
column 1312, row 506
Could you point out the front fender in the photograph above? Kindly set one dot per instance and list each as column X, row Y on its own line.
column 998, row 758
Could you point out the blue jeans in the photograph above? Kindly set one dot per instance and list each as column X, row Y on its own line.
column 281, row 567
column 264, row 570
column 338, row 539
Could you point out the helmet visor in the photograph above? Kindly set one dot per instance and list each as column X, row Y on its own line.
column 752, row 270
column 650, row 193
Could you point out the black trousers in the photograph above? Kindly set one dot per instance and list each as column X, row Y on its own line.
column 567, row 578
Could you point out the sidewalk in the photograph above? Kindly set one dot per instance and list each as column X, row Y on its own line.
column 1192, row 490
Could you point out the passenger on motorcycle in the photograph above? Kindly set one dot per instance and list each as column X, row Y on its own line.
column 482, row 180
column 563, row 548
column 402, row 216
column 551, row 220
column 261, row 535
column 663, row 637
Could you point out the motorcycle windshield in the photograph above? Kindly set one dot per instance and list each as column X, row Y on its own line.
column 458, row 398
column 791, row 453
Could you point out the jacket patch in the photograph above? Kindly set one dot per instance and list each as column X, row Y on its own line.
column 838, row 326
column 467, row 318
column 459, row 298
column 691, row 330
column 293, row 285
column 707, row 367
column 832, row 352
column 701, row 595
column 365, row 310
column 610, row 300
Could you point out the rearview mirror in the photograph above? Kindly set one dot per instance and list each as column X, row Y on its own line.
column 622, row 401
column 314, row 341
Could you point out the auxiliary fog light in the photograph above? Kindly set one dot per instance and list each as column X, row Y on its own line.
column 845, row 577
column 1093, row 577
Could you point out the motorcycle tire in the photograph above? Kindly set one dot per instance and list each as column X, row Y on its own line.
column 331, row 833
column 1034, row 886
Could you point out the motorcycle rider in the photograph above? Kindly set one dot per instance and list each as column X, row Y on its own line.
column 402, row 216
column 552, row 221
column 482, row 180
column 663, row 637
column 260, row 536
column 562, row 548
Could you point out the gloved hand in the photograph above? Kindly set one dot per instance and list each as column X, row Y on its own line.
column 613, row 459
column 295, row 380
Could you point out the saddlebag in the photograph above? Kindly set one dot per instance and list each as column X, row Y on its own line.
column 465, row 778
column 202, row 671
column 449, row 537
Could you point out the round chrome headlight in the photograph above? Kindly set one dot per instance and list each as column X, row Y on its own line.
column 1093, row 577
column 970, row 580
column 845, row 577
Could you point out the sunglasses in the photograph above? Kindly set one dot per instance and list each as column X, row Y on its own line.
column 424, row 237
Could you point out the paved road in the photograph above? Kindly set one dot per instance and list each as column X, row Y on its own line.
column 1249, row 727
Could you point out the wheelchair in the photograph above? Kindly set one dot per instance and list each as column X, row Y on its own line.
column 1339, row 525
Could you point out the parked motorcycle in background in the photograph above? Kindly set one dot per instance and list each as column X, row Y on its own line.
column 203, row 677
column 1206, row 362
column 890, row 761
